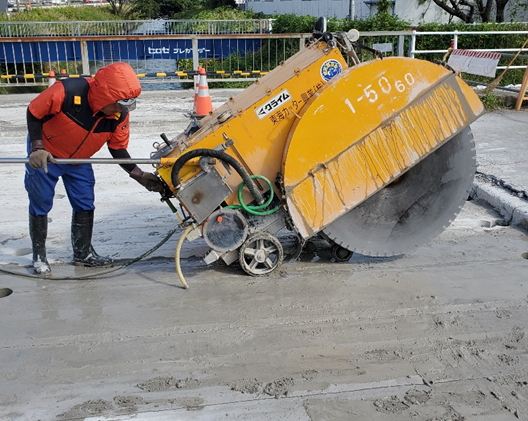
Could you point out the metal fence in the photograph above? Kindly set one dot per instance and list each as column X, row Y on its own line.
column 172, row 57
column 494, row 42
column 134, row 27
column 29, row 60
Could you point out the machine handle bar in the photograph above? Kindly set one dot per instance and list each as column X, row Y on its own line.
column 158, row 161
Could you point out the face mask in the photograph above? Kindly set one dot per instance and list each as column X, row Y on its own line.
column 127, row 104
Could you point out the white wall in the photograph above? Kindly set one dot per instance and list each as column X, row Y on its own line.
column 328, row 8
column 408, row 10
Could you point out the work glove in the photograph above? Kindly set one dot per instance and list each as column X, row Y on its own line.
column 148, row 180
column 39, row 158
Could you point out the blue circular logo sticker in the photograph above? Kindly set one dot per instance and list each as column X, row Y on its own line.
column 329, row 69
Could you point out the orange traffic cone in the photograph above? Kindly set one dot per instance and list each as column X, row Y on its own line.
column 51, row 78
column 196, row 87
column 63, row 72
column 203, row 101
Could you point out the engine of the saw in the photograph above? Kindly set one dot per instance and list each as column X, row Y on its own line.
column 376, row 157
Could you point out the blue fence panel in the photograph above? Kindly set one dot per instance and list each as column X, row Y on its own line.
column 123, row 50
column 18, row 52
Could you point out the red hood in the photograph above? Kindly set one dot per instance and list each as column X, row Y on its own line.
column 112, row 83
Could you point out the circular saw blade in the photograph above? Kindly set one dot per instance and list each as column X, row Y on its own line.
column 415, row 208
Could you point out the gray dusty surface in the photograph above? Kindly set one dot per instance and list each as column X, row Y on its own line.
column 501, row 139
column 437, row 335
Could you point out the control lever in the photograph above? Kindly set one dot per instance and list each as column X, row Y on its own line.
column 166, row 140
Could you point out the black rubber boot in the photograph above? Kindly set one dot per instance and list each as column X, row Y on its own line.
column 81, row 236
column 38, row 231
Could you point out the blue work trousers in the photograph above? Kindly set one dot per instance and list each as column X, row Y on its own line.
column 79, row 182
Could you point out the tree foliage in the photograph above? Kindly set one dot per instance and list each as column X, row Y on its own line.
column 215, row 4
column 220, row 13
column 154, row 9
column 383, row 20
column 120, row 8
column 470, row 11
column 61, row 14
column 177, row 9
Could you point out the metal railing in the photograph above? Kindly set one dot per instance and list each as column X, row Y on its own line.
column 134, row 27
column 172, row 56
column 458, row 38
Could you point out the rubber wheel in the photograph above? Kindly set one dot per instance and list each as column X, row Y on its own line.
column 341, row 254
column 260, row 254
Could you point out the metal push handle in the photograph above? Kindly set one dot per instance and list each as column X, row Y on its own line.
column 159, row 161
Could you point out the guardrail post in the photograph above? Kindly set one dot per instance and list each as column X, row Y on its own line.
column 302, row 43
column 84, row 58
column 455, row 40
column 401, row 43
column 412, row 44
column 194, row 44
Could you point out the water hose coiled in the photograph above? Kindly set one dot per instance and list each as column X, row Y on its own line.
column 256, row 210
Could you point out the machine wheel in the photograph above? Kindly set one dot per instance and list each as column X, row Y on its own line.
column 341, row 254
column 260, row 254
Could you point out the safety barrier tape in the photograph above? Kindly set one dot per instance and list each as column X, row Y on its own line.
column 222, row 73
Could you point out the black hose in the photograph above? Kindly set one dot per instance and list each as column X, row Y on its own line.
column 222, row 156
column 99, row 273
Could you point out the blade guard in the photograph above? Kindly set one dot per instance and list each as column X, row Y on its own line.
column 364, row 129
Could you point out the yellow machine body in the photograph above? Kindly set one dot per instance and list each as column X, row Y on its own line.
column 261, row 118
column 327, row 136
column 364, row 130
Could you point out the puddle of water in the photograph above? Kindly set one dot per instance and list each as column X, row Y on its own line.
column 23, row 252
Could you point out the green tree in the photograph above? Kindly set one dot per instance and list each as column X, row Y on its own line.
column 214, row 4
column 384, row 20
column 146, row 9
column 384, row 7
column 469, row 11
column 153, row 9
column 177, row 9
column 120, row 7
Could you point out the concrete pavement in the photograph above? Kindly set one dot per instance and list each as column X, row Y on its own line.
column 432, row 335
column 501, row 139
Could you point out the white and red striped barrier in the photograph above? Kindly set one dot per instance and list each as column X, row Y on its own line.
column 475, row 62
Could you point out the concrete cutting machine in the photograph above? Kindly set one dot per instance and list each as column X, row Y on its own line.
column 375, row 158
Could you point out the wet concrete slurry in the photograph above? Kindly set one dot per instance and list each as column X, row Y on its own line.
column 438, row 334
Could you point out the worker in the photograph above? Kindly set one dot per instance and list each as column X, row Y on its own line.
column 74, row 118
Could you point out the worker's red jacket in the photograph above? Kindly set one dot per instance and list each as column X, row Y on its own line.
column 69, row 116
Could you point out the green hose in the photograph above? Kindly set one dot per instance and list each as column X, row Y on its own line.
column 255, row 210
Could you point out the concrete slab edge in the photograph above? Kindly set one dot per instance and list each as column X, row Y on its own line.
column 512, row 208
